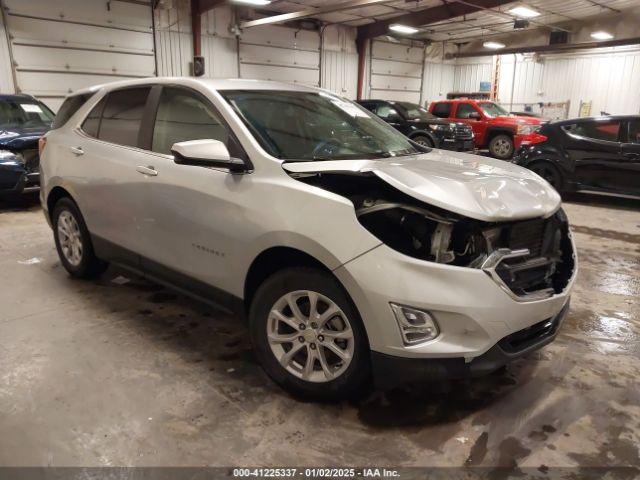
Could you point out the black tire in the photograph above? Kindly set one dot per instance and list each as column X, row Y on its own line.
column 549, row 172
column 501, row 146
column 353, row 381
column 89, row 266
column 423, row 140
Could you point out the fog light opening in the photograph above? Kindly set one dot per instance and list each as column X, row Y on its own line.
column 416, row 326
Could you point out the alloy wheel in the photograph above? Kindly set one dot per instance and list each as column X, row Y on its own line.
column 502, row 148
column 310, row 336
column 70, row 238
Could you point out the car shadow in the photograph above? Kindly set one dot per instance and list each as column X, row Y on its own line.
column 25, row 201
column 219, row 342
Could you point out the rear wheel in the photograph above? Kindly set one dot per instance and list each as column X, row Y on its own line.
column 308, row 336
column 73, row 241
column 549, row 172
column 423, row 140
column 501, row 146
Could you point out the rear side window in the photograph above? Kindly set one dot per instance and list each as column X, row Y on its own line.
column 442, row 110
column 91, row 124
column 608, row 130
column 68, row 108
column 122, row 116
column 634, row 131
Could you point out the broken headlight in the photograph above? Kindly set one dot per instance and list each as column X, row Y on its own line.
column 422, row 233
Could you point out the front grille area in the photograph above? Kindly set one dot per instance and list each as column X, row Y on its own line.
column 31, row 160
column 550, row 262
column 463, row 132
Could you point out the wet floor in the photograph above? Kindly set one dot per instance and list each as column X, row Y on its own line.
column 123, row 372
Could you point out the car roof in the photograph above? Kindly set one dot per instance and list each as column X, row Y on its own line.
column 210, row 83
column 602, row 118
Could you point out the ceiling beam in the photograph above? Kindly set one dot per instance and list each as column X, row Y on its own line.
column 311, row 12
column 428, row 15
column 550, row 48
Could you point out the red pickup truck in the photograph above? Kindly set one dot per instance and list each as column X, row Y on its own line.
column 494, row 127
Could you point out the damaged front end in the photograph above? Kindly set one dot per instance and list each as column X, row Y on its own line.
column 529, row 259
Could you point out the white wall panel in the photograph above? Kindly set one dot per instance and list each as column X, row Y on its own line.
column 77, row 44
column 467, row 76
column 280, row 53
column 438, row 81
column 6, row 72
column 339, row 69
column 395, row 71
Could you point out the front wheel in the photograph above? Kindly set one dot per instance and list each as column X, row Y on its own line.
column 501, row 146
column 308, row 335
column 73, row 241
column 423, row 140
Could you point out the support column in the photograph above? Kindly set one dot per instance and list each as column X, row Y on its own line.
column 361, row 46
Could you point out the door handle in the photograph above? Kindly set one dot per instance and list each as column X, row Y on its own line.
column 77, row 150
column 150, row 171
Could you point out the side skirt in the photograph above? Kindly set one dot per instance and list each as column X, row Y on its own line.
column 165, row 276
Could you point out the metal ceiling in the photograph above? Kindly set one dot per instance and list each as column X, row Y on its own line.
column 483, row 23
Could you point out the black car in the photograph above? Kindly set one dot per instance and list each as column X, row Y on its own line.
column 599, row 154
column 23, row 120
column 421, row 126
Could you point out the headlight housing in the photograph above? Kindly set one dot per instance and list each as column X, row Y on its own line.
column 443, row 127
column 526, row 129
column 11, row 158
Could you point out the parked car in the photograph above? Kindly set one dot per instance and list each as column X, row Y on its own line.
column 421, row 126
column 354, row 252
column 600, row 154
column 494, row 127
column 23, row 120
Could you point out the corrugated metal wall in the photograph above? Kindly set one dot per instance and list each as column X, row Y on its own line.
column 339, row 61
column 468, row 74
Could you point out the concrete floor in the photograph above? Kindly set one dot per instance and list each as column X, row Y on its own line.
column 99, row 373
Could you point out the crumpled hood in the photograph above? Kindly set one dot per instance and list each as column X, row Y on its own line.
column 21, row 138
column 477, row 187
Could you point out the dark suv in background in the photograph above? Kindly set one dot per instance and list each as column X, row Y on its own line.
column 23, row 120
column 600, row 154
column 421, row 126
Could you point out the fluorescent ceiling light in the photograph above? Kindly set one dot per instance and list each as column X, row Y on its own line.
column 396, row 27
column 522, row 11
column 253, row 2
column 601, row 35
column 493, row 45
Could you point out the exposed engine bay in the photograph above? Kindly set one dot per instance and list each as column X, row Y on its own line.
column 537, row 253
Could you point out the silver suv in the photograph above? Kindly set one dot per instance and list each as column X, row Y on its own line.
column 354, row 253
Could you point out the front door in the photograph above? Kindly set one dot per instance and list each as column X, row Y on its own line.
column 193, row 220
column 630, row 181
column 468, row 114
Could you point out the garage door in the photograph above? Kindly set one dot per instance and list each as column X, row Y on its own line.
column 77, row 43
column 396, row 71
column 280, row 53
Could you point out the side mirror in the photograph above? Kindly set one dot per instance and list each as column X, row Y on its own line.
column 474, row 116
column 206, row 153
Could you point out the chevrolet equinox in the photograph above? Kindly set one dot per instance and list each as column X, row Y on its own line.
column 354, row 253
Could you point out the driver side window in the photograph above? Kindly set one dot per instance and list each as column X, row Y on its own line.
column 465, row 111
column 385, row 111
column 184, row 115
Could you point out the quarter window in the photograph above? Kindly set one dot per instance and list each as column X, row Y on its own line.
column 605, row 130
column 122, row 116
column 91, row 124
column 442, row 110
column 183, row 115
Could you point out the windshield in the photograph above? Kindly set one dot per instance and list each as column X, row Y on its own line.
column 491, row 109
column 412, row 111
column 18, row 113
column 315, row 126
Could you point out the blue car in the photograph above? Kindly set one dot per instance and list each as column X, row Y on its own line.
column 23, row 120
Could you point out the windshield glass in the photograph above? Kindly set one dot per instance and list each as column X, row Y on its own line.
column 17, row 113
column 315, row 126
column 491, row 109
column 412, row 111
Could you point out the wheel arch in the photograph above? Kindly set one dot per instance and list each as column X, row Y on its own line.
column 54, row 196
column 493, row 132
column 424, row 133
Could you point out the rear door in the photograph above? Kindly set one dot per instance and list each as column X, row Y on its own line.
column 631, row 153
column 107, row 157
column 595, row 147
